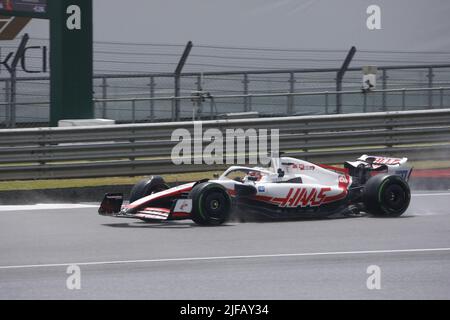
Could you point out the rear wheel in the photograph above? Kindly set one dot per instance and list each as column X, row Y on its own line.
column 147, row 187
column 386, row 195
column 211, row 204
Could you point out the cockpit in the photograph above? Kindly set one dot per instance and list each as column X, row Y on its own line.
column 241, row 174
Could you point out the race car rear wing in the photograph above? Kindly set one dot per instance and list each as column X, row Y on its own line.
column 378, row 164
column 377, row 160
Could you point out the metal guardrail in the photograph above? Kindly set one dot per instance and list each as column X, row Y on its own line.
column 142, row 149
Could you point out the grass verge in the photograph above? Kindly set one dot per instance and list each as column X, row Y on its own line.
column 95, row 182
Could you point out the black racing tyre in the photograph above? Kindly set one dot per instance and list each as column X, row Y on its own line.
column 211, row 204
column 146, row 187
column 386, row 195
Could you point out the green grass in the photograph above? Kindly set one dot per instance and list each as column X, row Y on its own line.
column 182, row 177
column 95, row 182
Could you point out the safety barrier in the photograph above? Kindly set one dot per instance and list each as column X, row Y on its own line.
column 142, row 149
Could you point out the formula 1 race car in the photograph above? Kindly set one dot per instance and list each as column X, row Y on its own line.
column 289, row 188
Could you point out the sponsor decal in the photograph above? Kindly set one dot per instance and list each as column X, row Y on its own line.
column 10, row 27
column 115, row 197
column 21, row 57
column 309, row 197
column 387, row 161
column 261, row 189
column 183, row 205
column 302, row 197
column 402, row 173
column 303, row 167
column 343, row 179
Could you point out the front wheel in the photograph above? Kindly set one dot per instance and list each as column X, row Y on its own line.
column 147, row 187
column 386, row 195
column 211, row 204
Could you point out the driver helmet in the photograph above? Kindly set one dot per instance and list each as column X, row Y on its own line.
column 255, row 174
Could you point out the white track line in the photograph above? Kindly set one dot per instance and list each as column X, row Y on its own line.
column 430, row 194
column 50, row 206
column 57, row 206
column 312, row 254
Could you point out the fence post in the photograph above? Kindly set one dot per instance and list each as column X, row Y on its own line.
column 104, row 96
column 176, row 108
column 13, row 99
column 13, row 72
column 133, row 110
column 403, row 99
column 365, row 102
column 173, row 109
column 180, row 66
column 327, row 111
column 245, row 82
column 7, row 100
column 384, row 78
column 290, row 100
column 340, row 77
column 152, row 102
column 430, row 85
column 211, row 106
column 200, row 100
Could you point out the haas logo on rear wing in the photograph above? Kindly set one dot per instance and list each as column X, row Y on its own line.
column 395, row 166
column 383, row 160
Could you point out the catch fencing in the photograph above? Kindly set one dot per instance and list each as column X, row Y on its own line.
column 30, row 105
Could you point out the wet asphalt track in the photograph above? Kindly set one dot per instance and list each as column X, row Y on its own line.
column 312, row 259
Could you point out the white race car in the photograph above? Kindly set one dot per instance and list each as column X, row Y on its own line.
column 289, row 188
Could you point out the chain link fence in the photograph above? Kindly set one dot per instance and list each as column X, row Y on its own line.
column 32, row 98
column 206, row 106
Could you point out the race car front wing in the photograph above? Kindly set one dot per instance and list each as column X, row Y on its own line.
column 112, row 205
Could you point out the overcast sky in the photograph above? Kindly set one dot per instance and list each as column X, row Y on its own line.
column 422, row 25
column 412, row 32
